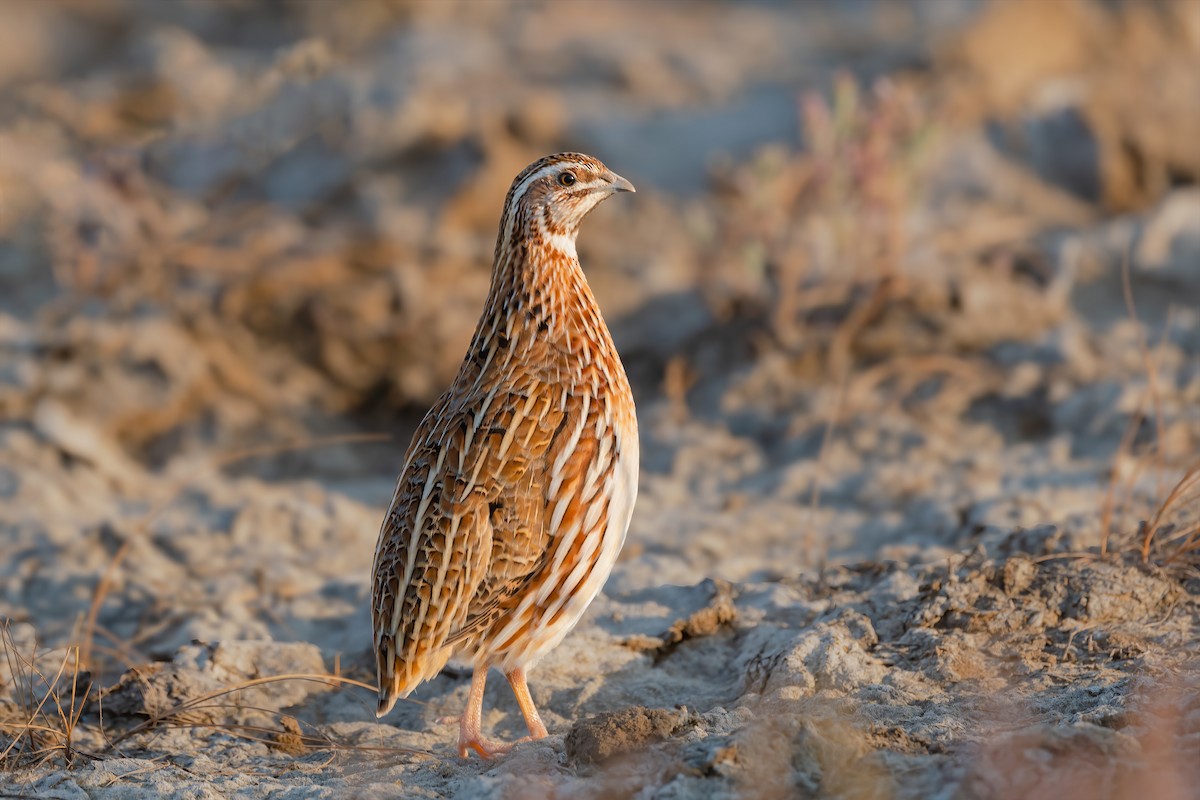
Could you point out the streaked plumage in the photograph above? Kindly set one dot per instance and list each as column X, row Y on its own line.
column 518, row 486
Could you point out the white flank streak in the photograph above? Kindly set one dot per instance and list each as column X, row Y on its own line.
column 620, row 509
column 606, row 442
column 509, row 433
column 455, row 522
column 422, row 507
column 395, row 619
column 595, row 508
column 560, row 511
column 533, row 398
column 598, row 467
column 510, row 628
column 474, row 476
column 568, row 586
column 569, row 448
column 562, row 546
column 487, row 403
column 441, row 459
column 624, row 494
column 467, row 440
column 423, row 611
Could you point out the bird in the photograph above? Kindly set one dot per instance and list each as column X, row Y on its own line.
column 518, row 487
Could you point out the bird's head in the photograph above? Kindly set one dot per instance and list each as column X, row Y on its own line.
column 551, row 197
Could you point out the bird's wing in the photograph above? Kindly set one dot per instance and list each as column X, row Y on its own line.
column 516, row 433
column 475, row 468
column 433, row 552
column 519, row 539
column 488, row 497
column 544, row 510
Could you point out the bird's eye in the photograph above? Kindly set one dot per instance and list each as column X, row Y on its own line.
column 566, row 179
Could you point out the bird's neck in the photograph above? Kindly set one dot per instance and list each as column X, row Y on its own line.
column 540, row 301
column 533, row 249
column 541, row 278
column 538, row 263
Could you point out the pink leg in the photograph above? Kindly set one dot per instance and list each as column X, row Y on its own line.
column 470, row 727
column 533, row 720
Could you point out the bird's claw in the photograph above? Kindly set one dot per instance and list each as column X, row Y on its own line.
column 484, row 748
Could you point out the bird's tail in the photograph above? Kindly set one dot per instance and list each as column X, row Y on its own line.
column 387, row 700
column 397, row 678
column 391, row 674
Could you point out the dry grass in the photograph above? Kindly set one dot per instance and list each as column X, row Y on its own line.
column 43, row 710
column 826, row 227
column 1169, row 529
column 291, row 735
column 1174, row 518
column 1182, row 504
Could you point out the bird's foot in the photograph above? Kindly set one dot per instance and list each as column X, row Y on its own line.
column 486, row 748
column 483, row 747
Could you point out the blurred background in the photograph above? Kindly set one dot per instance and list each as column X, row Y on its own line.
column 897, row 276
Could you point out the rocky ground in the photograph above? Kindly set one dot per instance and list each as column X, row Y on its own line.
column 912, row 316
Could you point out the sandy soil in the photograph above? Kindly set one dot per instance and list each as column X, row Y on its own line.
column 913, row 320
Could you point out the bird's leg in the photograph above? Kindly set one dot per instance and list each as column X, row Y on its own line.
column 470, row 727
column 533, row 720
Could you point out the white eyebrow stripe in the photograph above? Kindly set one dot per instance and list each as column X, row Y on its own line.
column 510, row 217
column 521, row 188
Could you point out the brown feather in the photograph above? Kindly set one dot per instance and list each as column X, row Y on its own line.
column 517, row 488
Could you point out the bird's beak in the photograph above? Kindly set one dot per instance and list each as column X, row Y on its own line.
column 618, row 184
